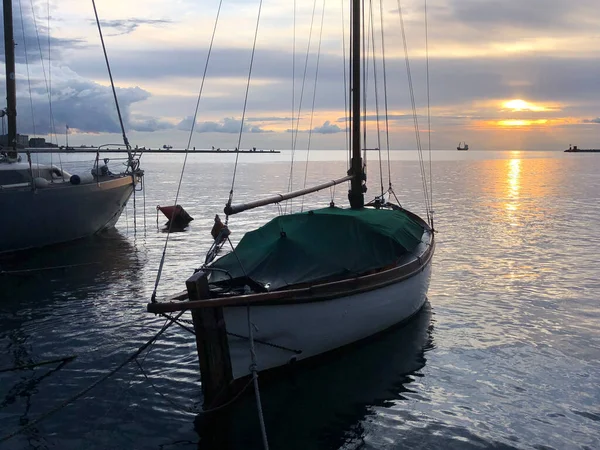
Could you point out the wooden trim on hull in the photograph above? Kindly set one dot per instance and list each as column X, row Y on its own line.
column 318, row 292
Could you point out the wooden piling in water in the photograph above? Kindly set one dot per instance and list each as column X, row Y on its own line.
column 211, row 343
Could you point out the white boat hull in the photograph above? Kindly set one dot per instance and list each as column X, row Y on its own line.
column 60, row 213
column 304, row 330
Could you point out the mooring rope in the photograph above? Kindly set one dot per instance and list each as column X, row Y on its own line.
column 254, row 370
column 81, row 393
column 253, row 366
column 42, row 363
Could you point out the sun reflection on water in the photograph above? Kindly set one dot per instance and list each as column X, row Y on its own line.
column 513, row 187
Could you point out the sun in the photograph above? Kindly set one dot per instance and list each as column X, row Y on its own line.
column 522, row 105
column 521, row 123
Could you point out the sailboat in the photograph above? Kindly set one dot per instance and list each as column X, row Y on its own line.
column 462, row 146
column 307, row 283
column 43, row 204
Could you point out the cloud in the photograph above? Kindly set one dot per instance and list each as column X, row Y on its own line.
column 531, row 14
column 226, row 125
column 139, row 122
column 596, row 120
column 373, row 117
column 128, row 26
column 80, row 103
column 327, row 128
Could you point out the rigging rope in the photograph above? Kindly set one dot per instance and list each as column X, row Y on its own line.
column 27, row 67
column 428, row 114
column 293, row 143
column 414, row 111
column 312, row 113
column 164, row 253
column 237, row 155
column 387, row 124
column 346, row 93
column 48, row 88
column 372, row 25
column 295, row 132
column 112, row 83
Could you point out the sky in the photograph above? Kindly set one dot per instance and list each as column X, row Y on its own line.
column 503, row 74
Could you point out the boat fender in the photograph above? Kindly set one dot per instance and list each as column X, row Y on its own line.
column 40, row 182
column 82, row 179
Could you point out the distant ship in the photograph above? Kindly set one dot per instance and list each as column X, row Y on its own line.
column 462, row 146
column 574, row 149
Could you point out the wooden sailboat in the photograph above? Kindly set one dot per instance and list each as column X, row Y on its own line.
column 307, row 283
column 44, row 204
column 462, row 146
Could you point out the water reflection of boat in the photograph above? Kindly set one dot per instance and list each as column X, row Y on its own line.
column 323, row 405
column 37, row 276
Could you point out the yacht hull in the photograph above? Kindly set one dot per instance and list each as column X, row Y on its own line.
column 286, row 333
column 60, row 213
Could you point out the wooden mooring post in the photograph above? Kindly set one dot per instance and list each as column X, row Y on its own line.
column 211, row 343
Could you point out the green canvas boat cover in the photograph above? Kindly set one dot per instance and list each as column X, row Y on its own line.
column 328, row 243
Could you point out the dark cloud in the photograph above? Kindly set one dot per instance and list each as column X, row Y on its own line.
column 596, row 120
column 83, row 105
column 127, row 26
column 553, row 15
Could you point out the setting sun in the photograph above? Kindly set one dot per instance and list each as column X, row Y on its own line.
column 521, row 123
column 522, row 105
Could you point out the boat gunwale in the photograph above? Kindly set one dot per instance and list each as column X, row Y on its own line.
column 316, row 293
column 102, row 184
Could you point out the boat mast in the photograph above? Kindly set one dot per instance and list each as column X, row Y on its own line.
column 11, row 87
column 357, row 188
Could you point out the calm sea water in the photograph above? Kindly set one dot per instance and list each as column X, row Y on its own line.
column 505, row 355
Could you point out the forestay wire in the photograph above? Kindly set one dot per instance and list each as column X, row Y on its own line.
column 296, row 128
column 112, row 83
column 164, row 253
column 428, row 114
column 237, row 155
column 415, row 119
column 312, row 112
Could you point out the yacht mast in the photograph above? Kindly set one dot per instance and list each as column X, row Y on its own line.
column 11, row 88
column 356, row 194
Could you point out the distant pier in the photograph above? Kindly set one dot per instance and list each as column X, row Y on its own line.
column 574, row 149
column 142, row 150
